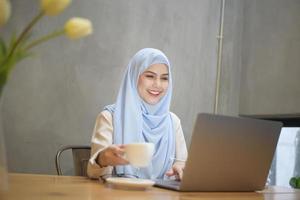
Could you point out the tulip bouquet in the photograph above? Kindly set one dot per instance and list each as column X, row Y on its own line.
column 20, row 46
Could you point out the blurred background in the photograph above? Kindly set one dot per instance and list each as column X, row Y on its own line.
column 53, row 98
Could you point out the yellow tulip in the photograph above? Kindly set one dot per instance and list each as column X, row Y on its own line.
column 78, row 27
column 5, row 11
column 54, row 7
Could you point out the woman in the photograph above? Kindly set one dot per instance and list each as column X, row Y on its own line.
column 140, row 114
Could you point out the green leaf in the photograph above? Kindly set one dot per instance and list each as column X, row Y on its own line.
column 7, row 64
column 2, row 48
column 12, row 41
column 295, row 182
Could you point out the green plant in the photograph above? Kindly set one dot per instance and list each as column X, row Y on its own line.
column 19, row 46
column 295, row 182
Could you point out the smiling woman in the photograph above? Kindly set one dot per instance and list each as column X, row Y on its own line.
column 141, row 114
column 153, row 83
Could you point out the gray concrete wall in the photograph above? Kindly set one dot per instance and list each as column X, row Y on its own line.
column 231, row 65
column 53, row 97
column 260, row 60
column 270, row 61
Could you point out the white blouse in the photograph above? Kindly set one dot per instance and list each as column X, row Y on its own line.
column 103, row 137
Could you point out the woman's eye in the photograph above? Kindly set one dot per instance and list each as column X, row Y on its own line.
column 150, row 76
column 165, row 78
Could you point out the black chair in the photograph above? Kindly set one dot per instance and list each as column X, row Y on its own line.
column 81, row 155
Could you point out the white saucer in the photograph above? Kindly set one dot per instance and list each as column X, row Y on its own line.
column 133, row 183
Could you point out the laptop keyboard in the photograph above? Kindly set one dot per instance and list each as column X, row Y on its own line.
column 171, row 183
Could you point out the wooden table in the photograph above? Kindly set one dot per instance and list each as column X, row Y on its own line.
column 30, row 186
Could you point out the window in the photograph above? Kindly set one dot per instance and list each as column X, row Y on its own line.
column 286, row 161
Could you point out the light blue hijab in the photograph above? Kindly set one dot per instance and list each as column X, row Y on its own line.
column 136, row 121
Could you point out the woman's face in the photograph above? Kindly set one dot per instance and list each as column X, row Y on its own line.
column 153, row 83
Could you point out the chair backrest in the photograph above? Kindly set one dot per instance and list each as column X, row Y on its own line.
column 81, row 155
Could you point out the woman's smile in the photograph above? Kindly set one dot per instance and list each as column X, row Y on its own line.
column 153, row 83
column 154, row 92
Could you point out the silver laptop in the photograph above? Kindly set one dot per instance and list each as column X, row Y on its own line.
column 228, row 154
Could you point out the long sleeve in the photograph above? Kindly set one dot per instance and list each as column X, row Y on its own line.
column 180, row 144
column 102, row 138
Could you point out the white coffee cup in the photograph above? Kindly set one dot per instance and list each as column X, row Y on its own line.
column 139, row 154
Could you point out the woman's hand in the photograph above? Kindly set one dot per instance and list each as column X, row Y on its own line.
column 112, row 156
column 176, row 170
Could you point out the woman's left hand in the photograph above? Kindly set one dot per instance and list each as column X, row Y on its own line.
column 176, row 170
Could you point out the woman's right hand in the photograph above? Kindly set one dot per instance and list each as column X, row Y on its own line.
column 112, row 156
